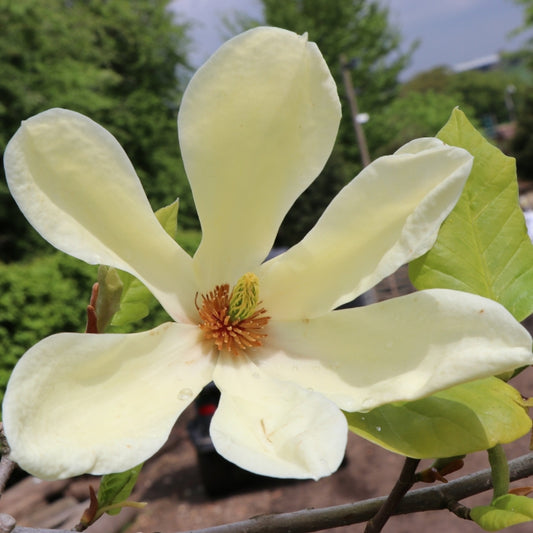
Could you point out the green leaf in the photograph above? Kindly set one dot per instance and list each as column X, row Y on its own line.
column 115, row 488
column 483, row 246
column 503, row 512
column 168, row 218
column 463, row 419
column 136, row 299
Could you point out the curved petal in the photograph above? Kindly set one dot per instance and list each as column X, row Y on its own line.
column 97, row 404
column 388, row 215
column 256, row 125
column 275, row 428
column 78, row 189
column 401, row 349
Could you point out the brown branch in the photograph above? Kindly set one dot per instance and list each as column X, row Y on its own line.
column 427, row 499
column 406, row 480
column 459, row 510
column 6, row 465
column 92, row 319
column 6, row 469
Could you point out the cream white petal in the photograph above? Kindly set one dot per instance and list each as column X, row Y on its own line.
column 272, row 427
column 400, row 349
column 80, row 403
column 256, row 125
column 387, row 216
column 78, row 189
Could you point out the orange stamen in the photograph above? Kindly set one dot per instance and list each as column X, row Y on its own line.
column 227, row 334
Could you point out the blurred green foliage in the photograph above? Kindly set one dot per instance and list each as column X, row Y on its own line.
column 413, row 115
column 113, row 61
column 37, row 299
column 484, row 92
column 522, row 143
column 189, row 240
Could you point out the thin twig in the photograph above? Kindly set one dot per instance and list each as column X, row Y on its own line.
column 460, row 510
column 6, row 469
column 6, row 465
column 406, row 480
column 427, row 499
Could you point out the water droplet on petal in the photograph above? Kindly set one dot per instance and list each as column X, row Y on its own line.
column 185, row 394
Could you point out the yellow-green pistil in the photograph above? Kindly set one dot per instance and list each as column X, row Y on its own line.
column 234, row 321
column 244, row 297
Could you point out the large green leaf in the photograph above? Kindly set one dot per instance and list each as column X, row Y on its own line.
column 503, row 512
column 136, row 299
column 483, row 246
column 463, row 419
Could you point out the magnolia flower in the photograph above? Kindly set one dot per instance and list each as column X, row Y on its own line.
column 256, row 125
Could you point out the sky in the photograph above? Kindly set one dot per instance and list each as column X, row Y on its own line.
column 450, row 31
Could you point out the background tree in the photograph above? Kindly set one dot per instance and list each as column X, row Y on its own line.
column 484, row 92
column 359, row 30
column 522, row 145
column 114, row 61
column 412, row 115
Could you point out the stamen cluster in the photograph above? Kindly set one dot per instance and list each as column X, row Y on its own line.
column 230, row 334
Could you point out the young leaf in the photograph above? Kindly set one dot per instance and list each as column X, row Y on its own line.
column 115, row 488
column 483, row 246
column 503, row 512
column 168, row 218
column 463, row 419
column 135, row 301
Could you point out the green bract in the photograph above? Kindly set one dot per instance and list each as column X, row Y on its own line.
column 116, row 488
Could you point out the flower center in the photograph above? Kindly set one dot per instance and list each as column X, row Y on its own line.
column 234, row 321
